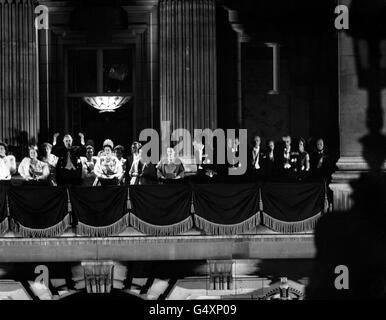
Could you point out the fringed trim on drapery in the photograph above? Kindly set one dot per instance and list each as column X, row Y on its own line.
column 290, row 227
column 69, row 207
column 105, row 231
column 157, row 230
column 4, row 226
column 260, row 201
column 53, row 231
column 129, row 205
column 192, row 210
column 227, row 229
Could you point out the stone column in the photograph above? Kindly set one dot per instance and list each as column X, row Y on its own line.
column 188, row 86
column 353, row 102
column 19, row 110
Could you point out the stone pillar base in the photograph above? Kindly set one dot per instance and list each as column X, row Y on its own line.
column 350, row 168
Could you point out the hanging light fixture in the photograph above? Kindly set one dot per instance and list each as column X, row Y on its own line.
column 106, row 103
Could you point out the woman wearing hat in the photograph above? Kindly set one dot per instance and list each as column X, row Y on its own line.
column 108, row 168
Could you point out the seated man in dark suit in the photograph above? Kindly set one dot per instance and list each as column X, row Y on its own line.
column 69, row 166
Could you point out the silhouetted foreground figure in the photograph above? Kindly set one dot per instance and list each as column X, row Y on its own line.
column 355, row 239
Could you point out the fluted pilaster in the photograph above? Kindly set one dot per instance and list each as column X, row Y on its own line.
column 188, row 86
column 19, row 113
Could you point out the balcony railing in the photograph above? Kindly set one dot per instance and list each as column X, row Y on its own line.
column 161, row 210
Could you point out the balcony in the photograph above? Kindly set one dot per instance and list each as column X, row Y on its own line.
column 160, row 222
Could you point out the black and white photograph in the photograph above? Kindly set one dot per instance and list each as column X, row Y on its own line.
column 205, row 151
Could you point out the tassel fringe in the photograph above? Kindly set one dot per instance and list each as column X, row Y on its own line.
column 326, row 205
column 105, row 231
column 155, row 230
column 129, row 205
column 260, row 201
column 53, row 231
column 4, row 227
column 224, row 229
column 290, row 227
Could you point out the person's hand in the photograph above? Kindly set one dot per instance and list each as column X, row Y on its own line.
column 81, row 135
column 56, row 135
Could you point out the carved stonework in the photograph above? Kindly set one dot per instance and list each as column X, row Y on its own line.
column 342, row 196
column 221, row 274
column 350, row 169
column 98, row 276
column 283, row 292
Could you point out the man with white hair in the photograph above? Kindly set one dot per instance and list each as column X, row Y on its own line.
column 69, row 166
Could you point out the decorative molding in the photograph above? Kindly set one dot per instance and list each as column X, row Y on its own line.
column 283, row 291
column 221, row 275
column 98, row 276
column 237, row 25
column 342, row 196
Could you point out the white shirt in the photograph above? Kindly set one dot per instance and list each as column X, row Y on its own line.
column 134, row 168
column 38, row 169
column 7, row 167
column 256, row 156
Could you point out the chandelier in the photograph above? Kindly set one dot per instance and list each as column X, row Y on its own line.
column 106, row 103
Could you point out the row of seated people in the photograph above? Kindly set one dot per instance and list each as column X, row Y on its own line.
column 67, row 164
column 63, row 164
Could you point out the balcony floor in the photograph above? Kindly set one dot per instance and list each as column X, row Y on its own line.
column 132, row 245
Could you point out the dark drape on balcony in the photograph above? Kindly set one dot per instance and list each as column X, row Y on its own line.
column 292, row 207
column 3, row 210
column 38, row 211
column 161, row 209
column 99, row 211
column 226, row 208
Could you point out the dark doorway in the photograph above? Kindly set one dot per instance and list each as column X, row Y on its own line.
column 96, row 126
column 100, row 71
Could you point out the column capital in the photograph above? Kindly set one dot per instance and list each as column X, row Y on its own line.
column 237, row 25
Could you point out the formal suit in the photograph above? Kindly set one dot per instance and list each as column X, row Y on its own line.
column 255, row 159
column 69, row 166
column 321, row 166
